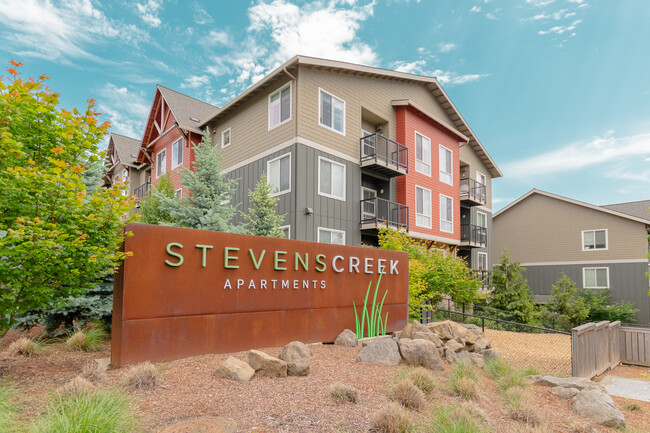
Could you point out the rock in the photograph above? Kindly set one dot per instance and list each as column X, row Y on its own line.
column 296, row 355
column 454, row 346
column 533, row 377
column 406, row 332
column 428, row 335
column 481, row 344
column 346, row 338
column 564, row 392
column 266, row 365
column 421, row 352
column 490, row 353
column 477, row 359
column 462, row 356
column 382, row 351
column 450, row 330
column 442, row 329
column 599, row 406
column 579, row 383
column 363, row 342
column 234, row 369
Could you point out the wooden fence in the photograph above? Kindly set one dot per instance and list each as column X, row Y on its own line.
column 635, row 346
column 595, row 347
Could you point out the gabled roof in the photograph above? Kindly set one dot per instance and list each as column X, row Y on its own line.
column 640, row 209
column 431, row 83
column 575, row 202
column 127, row 148
column 189, row 112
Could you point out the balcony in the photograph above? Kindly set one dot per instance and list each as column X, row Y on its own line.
column 472, row 192
column 384, row 155
column 378, row 211
column 142, row 190
column 473, row 236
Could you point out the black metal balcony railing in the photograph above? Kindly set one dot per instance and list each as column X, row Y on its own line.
column 473, row 235
column 376, row 211
column 142, row 190
column 473, row 191
column 483, row 276
column 384, row 152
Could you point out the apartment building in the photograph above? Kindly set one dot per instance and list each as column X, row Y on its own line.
column 121, row 162
column 598, row 247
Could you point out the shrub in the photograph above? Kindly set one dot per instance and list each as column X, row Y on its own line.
column 142, row 376
column 24, row 347
column 89, row 340
column 423, row 379
column 343, row 393
column 459, row 420
column 392, row 419
column 77, row 386
column 407, row 394
column 94, row 371
column 101, row 412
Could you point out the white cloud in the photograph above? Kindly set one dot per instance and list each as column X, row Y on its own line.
column 539, row 3
column 475, row 9
column 603, row 150
column 194, row 81
column 126, row 109
column 201, row 16
column 148, row 11
column 444, row 77
column 409, row 67
column 216, row 37
column 446, row 47
column 560, row 29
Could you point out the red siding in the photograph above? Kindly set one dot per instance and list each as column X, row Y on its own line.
column 408, row 122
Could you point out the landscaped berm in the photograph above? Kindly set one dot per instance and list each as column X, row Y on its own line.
column 439, row 377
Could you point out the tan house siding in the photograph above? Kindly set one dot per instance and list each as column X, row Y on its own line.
column 542, row 229
column 468, row 156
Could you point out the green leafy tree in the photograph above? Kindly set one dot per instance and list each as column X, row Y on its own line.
column 150, row 210
column 601, row 307
column 433, row 274
column 510, row 290
column 56, row 239
column 261, row 219
column 566, row 302
column 207, row 207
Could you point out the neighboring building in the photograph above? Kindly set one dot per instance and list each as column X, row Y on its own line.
column 597, row 247
column 171, row 130
column 122, row 164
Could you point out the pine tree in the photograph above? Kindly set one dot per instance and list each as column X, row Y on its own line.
column 510, row 290
column 261, row 218
column 567, row 302
column 150, row 206
column 207, row 206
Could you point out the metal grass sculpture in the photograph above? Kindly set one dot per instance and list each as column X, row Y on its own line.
column 375, row 325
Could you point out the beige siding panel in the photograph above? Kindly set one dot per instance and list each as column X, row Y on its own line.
column 544, row 229
column 469, row 157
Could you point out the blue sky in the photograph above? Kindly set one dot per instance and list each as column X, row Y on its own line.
column 558, row 91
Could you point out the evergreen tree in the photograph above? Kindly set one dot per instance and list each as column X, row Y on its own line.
column 510, row 290
column 207, row 206
column 150, row 206
column 567, row 303
column 94, row 174
column 261, row 218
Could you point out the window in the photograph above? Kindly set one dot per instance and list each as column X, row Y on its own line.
column 595, row 278
column 446, row 170
column 225, row 138
column 446, row 214
column 422, row 207
column 594, row 240
column 331, row 236
column 422, row 154
column 125, row 179
column 331, row 179
column 161, row 163
column 481, row 178
column 279, row 174
column 481, row 219
column 287, row 231
column 331, row 112
column 280, row 106
column 179, row 193
column 482, row 261
column 177, row 153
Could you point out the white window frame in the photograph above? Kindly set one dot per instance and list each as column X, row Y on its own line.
column 595, row 269
column 268, row 170
column 595, row 249
column 482, row 254
column 176, row 163
column 484, row 219
column 223, row 133
column 451, row 173
column 478, row 175
column 320, row 107
column 159, row 165
column 288, row 227
column 290, row 85
column 326, row 229
column 443, row 196
column 179, row 193
column 428, row 164
column 430, row 216
column 324, row 194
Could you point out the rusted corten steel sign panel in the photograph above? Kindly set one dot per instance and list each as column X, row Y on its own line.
column 189, row 292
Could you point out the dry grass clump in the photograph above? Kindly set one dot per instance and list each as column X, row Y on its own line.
column 463, row 381
column 94, row 371
column 392, row 419
column 77, row 386
column 632, row 406
column 520, row 409
column 23, row 347
column 344, row 393
column 90, row 340
column 423, row 379
column 407, row 394
column 455, row 420
column 142, row 376
column 582, row 428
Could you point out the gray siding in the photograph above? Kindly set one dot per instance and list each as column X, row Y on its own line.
column 627, row 281
column 473, row 255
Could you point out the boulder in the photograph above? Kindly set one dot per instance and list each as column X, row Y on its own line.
column 480, row 344
column 363, row 342
column 234, row 369
column 428, row 335
column 266, row 365
column 450, row 330
column 382, row 351
column 421, row 352
column 296, row 355
column 490, row 353
column 346, row 338
column 454, row 346
column 579, row 383
column 462, row 356
column 477, row 359
column 406, row 332
column 599, row 406
column 564, row 392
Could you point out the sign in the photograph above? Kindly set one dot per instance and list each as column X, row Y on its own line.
column 188, row 292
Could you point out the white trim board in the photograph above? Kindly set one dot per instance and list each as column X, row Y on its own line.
column 427, row 237
column 586, row 262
